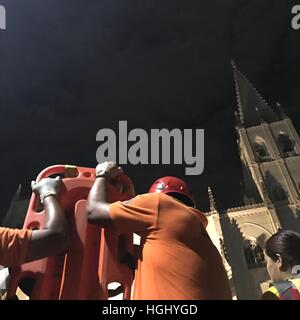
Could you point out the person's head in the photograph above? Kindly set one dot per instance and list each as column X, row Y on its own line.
column 282, row 251
column 174, row 187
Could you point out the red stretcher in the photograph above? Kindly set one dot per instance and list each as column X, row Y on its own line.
column 93, row 259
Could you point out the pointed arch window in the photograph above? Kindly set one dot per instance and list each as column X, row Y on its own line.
column 254, row 254
column 286, row 144
column 261, row 150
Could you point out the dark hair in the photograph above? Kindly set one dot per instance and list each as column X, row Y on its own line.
column 287, row 244
column 181, row 197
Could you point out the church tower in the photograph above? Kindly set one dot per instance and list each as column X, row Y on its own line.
column 269, row 147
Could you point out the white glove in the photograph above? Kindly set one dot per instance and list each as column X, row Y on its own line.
column 46, row 187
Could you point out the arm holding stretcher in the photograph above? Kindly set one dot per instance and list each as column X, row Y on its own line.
column 53, row 238
column 97, row 204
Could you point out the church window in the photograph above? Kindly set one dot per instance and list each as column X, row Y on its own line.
column 286, row 145
column 254, row 254
column 261, row 151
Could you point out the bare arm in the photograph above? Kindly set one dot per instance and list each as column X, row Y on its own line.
column 97, row 203
column 53, row 239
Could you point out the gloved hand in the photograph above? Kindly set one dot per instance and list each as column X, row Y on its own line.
column 46, row 187
column 108, row 169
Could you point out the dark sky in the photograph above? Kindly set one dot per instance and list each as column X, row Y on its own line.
column 70, row 68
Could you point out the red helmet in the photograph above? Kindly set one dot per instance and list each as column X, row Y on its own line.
column 172, row 185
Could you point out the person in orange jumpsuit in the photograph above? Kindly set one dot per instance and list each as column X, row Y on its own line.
column 177, row 259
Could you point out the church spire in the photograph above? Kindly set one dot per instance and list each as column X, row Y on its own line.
column 252, row 108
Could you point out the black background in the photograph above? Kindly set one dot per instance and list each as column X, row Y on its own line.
column 70, row 68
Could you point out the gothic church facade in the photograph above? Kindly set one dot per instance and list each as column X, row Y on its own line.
column 269, row 148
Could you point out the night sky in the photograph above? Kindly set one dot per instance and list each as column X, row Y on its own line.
column 70, row 68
